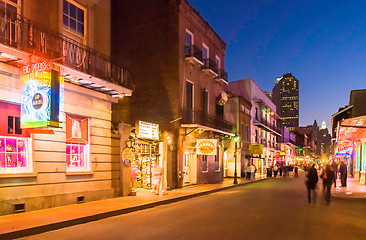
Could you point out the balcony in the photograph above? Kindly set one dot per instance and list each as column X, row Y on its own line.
column 193, row 55
column 264, row 124
column 23, row 38
column 222, row 77
column 210, row 67
column 195, row 117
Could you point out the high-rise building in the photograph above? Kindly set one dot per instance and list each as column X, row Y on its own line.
column 285, row 95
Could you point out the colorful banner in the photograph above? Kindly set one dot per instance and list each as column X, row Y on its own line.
column 42, row 97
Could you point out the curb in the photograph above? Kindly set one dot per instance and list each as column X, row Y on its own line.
column 99, row 216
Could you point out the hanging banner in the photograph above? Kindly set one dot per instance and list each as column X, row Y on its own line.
column 42, row 96
column 206, row 147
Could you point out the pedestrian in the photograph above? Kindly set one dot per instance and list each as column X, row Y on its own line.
column 343, row 173
column 247, row 170
column 328, row 178
column 296, row 171
column 157, row 173
column 280, row 168
column 134, row 173
column 285, row 169
column 275, row 170
column 335, row 170
column 311, row 181
column 253, row 169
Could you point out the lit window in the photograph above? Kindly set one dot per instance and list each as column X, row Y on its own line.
column 217, row 160
column 77, row 144
column 15, row 144
column 73, row 18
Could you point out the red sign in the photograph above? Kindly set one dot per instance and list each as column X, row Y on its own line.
column 344, row 146
column 36, row 67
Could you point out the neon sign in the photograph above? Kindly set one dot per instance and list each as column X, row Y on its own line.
column 344, row 147
column 42, row 98
column 206, row 147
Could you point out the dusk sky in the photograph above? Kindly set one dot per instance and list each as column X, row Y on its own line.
column 322, row 43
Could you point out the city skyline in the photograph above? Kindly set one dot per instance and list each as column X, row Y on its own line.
column 268, row 38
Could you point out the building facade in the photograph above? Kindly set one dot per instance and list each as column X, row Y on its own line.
column 57, row 87
column 180, row 77
column 285, row 95
column 264, row 129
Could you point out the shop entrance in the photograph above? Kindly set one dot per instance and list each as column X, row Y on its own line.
column 145, row 156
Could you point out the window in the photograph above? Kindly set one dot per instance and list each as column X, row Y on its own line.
column 204, row 163
column 189, row 43
column 15, row 144
column 205, row 101
column 248, row 132
column 205, row 55
column 218, row 62
column 77, row 144
column 219, row 110
column 73, row 18
column 217, row 160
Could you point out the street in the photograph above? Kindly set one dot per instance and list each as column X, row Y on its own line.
column 271, row 209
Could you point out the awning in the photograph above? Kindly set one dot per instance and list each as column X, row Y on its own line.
column 352, row 128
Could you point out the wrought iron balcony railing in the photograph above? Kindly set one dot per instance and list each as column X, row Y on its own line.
column 223, row 75
column 264, row 122
column 204, row 119
column 193, row 51
column 209, row 64
column 19, row 32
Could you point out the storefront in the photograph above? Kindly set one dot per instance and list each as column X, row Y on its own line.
column 351, row 146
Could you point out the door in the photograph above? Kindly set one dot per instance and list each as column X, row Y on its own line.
column 187, row 168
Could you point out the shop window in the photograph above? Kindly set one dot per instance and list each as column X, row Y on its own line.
column 204, row 163
column 73, row 18
column 15, row 144
column 77, row 144
column 217, row 160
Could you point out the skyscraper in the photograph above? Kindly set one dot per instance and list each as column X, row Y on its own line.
column 285, row 95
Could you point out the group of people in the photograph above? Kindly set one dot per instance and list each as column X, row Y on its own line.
column 250, row 171
column 156, row 173
column 283, row 170
column 329, row 176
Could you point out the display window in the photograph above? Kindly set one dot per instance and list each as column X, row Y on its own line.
column 77, row 144
column 15, row 144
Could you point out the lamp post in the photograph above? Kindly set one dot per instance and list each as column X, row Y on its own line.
column 236, row 139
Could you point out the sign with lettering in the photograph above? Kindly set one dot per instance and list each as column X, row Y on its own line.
column 206, row 147
column 344, row 146
column 255, row 149
column 42, row 96
column 148, row 130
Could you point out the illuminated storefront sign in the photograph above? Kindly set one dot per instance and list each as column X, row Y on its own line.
column 42, row 97
column 148, row 130
column 255, row 149
column 206, row 147
column 344, row 147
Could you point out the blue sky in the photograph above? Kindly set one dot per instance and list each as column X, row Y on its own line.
column 322, row 43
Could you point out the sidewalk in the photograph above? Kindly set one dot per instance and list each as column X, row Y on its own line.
column 353, row 190
column 29, row 223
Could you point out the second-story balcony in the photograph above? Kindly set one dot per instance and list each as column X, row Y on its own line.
column 264, row 124
column 222, row 77
column 194, row 55
column 200, row 118
column 21, row 38
column 210, row 67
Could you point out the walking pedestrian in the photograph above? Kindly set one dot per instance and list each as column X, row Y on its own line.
column 157, row 172
column 335, row 170
column 275, row 170
column 328, row 177
column 280, row 168
column 343, row 172
column 296, row 171
column 248, row 173
column 311, row 181
column 253, row 169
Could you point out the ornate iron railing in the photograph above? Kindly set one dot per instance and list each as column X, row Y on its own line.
column 223, row 75
column 193, row 51
column 200, row 117
column 21, row 33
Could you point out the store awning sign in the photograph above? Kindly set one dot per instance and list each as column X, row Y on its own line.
column 344, row 147
column 206, row 147
column 42, row 96
column 148, row 130
column 255, row 149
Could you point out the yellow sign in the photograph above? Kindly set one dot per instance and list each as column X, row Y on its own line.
column 206, row 146
column 256, row 149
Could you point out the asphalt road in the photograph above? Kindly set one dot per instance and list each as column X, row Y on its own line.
column 271, row 209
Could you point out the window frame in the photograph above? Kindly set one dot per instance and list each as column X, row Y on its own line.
column 204, row 159
column 68, row 29
column 87, row 169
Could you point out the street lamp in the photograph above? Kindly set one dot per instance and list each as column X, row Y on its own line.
column 236, row 139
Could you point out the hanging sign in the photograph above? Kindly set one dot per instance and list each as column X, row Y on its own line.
column 42, row 96
column 148, row 130
column 127, row 156
column 344, row 147
column 255, row 149
column 206, row 147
